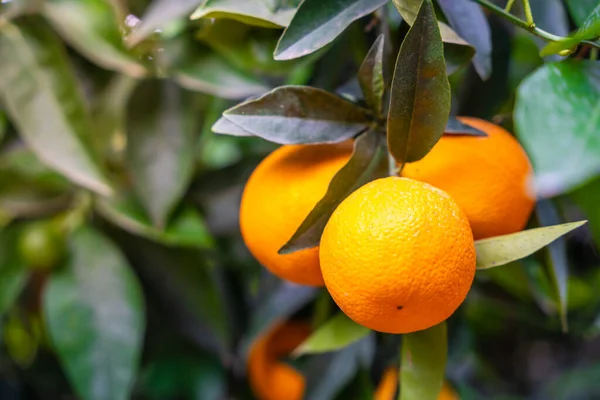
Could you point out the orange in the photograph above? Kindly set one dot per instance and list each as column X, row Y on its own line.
column 397, row 255
column 270, row 378
column 489, row 177
column 279, row 195
column 386, row 390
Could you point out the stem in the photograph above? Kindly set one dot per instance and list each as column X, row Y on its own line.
column 528, row 13
column 509, row 5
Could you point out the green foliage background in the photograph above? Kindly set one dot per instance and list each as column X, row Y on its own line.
column 140, row 286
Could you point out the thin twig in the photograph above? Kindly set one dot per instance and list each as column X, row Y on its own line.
column 509, row 5
column 528, row 13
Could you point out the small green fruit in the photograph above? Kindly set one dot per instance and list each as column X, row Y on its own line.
column 41, row 246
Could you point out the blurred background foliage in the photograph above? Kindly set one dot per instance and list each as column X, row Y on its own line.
column 122, row 271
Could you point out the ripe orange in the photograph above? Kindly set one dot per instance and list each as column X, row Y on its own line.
column 386, row 390
column 279, row 195
column 398, row 256
column 270, row 378
column 489, row 177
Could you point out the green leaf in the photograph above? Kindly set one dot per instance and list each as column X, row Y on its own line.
column 20, row 339
column 563, row 150
column 585, row 198
column 455, row 127
column 318, row 23
column 581, row 9
column 91, row 27
column 224, row 126
column 251, row 12
column 159, row 14
column 424, row 355
column 94, row 312
column 186, row 228
column 337, row 333
column 469, row 21
column 13, row 271
column 299, row 115
column 41, row 95
column 205, row 71
column 3, row 126
column 368, row 162
column 161, row 132
column 500, row 250
column 420, row 97
column 589, row 29
column 370, row 76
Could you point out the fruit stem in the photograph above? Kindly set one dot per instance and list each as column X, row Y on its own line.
column 528, row 13
column 529, row 26
column 509, row 5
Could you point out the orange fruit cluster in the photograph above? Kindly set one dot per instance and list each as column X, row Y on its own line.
column 398, row 254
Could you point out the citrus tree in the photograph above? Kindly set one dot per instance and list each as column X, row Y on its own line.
column 412, row 246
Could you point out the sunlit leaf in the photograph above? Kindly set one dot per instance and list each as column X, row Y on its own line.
column 299, row 115
column 423, row 364
column 370, row 76
column 251, row 12
column 91, row 27
column 420, row 97
column 94, row 312
column 563, row 150
column 368, row 162
column 500, row 250
column 41, row 95
column 337, row 333
column 317, row 23
column 589, row 29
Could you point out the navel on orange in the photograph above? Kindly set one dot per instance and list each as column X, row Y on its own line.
column 279, row 195
column 398, row 256
column 489, row 177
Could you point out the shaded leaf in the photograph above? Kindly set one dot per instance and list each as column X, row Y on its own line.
column 589, row 29
column 586, row 199
column 500, row 250
column 251, row 12
column 563, row 151
column 91, row 27
column 368, row 162
column 41, row 95
column 581, row 9
column 299, row 115
column 3, row 126
column 318, row 23
column 423, row 365
column 370, row 76
column 186, row 228
column 469, row 21
column 337, row 333
column 455, row 127
column 159, row 14
column 13, row 271
column 420, row 97
column 94, row 312
column 20, row 338
column 558, row 265
column 161, row 130
column 226, row 127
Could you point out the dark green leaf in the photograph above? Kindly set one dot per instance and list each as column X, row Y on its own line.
column 226, row 127
column 469, row 21
column 159, row 14
column 13, row 271
column 3, row 126
column 91, row 27
column 586, row 198
column 337, row 333
column 420, row 97
column 94, row 312
column 206, row 71
column 161, row 130
column 500, row 250
column 370, row 76
column 318, row 23
column 368, row 162
column 186, row 228
column 455, row 127
column 423, row 365
column 590, row 29
column 21, row 340
column 299, row 115
column 557, row 261
column 581, row 9
column 563, row 151
column 41, row 95
column 251, row 12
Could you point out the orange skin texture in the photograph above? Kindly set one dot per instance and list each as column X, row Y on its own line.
column 489, row 177
column 270, row 378
column 398, row 256
column 386, row 390
column 279, row 195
